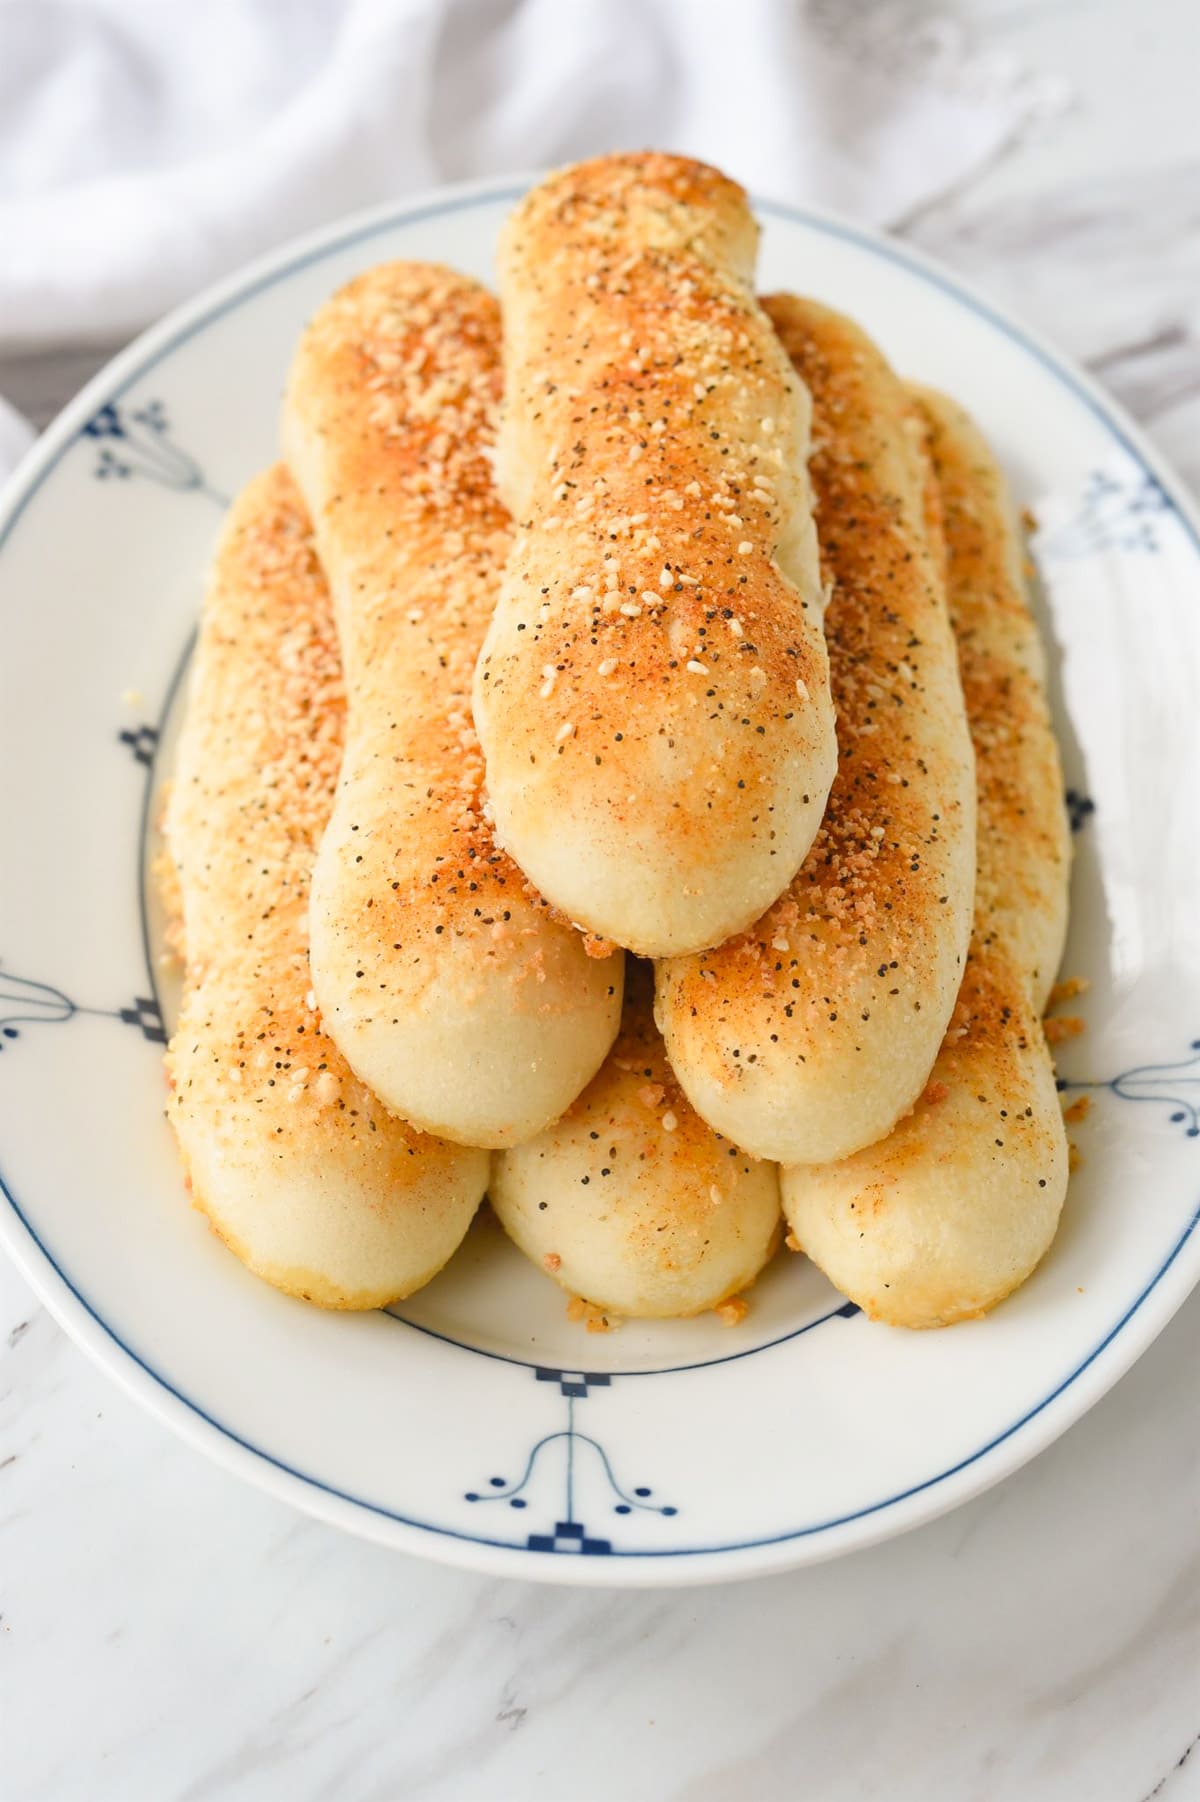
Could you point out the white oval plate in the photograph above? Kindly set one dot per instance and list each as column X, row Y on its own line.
column 476, row 1424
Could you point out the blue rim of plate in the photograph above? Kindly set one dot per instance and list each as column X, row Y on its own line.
column 144, row 355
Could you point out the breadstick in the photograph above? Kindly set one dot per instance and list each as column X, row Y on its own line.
column 631, row 1201
column 1024, row 867
column 809, row 1035
column 653, row 694
column 298, row 1167
column 950, row 1213
column 446, row 981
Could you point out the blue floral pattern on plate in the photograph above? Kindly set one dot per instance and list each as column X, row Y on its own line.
column 456, row 1425
column 135, row 441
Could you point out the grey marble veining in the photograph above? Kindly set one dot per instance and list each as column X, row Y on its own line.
column 167, row 1633
column 1131, row 244
column 1040, row 1643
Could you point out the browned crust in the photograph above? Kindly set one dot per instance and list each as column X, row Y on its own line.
column 266, row 722
column 862, row 914
column 399, row 378
column 247, row 810
column 266, row 726
column 648, row 450
column 1024, row 850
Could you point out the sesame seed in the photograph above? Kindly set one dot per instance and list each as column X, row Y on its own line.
column 565, row 731
column 745, row 547
column 669, row 1121
column 697, row 668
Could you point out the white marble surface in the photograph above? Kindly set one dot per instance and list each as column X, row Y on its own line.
column 166, row 1633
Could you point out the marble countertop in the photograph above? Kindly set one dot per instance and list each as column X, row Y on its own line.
column 166, row 1633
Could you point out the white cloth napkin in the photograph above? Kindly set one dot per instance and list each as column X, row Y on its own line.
column 147, row 148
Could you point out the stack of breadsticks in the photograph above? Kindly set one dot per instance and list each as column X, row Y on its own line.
column 673, row 624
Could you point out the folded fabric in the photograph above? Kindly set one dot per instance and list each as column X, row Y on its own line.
column 147, row 149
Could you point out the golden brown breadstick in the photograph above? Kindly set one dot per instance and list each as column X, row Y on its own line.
column 630, row 1200
column 297, row 1165
column 445, row 979
column 809, row 1035
column 1024, row 869
column 952, row 1211
column 653, row 696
